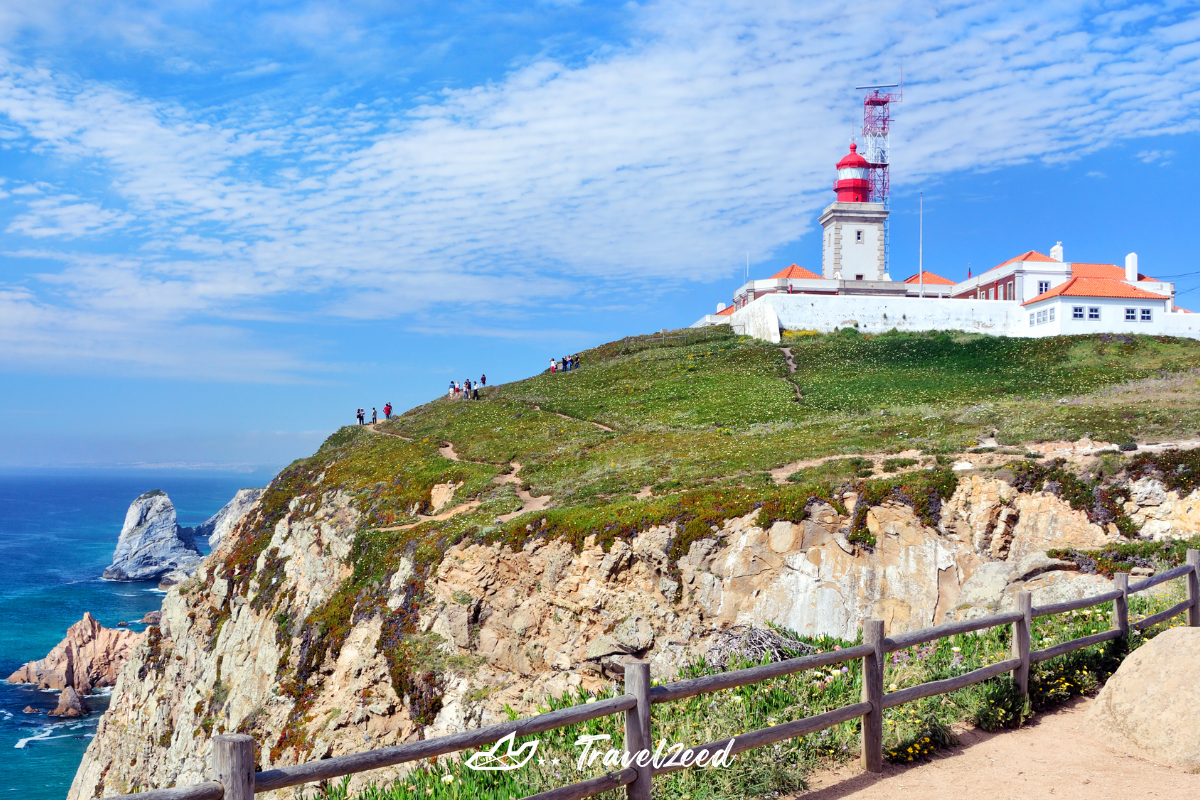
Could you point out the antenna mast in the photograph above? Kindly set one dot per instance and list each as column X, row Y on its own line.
column 876, row 130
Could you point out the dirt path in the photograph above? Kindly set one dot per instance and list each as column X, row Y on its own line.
column 781, row 474
column 1048, row 759
column 576, row 419
column 791, row 368
column 373, row 428
column 528, row 501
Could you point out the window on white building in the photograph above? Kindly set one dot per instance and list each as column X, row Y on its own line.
column 859, row 277
column 1077, row 312
column 1052, row 315
column 858, row 237
column 1093, row 312
column 1043, row 287
column 1012, row 295
column 1031, row 320
column 1041, row 317
column 1131, row 314
column 1147, row 315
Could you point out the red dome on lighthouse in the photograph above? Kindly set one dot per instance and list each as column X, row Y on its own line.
column 852, row 185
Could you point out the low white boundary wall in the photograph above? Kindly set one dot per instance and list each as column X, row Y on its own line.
column 767, row 316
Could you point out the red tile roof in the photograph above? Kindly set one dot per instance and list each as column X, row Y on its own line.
column 796, row 271
column 931, row 278
column 1103, row 271
column 1096, row 287
column 1028, row 255
column 725, row 312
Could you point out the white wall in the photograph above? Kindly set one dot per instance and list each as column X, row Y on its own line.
column 861, row 258
column 767, row 316
column 872, row 314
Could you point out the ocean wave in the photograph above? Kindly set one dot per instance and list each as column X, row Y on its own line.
column 44, row 735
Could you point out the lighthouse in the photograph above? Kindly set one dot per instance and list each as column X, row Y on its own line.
column 853, row 228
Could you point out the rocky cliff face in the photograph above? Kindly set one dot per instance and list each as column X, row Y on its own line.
column 220, row 524
column 90, row 657
column 151, row 543
column 286, row 641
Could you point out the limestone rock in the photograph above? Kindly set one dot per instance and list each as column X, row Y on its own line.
column 442, row 494
column 216, row 527
column 70, row 704
column 1151, row 705
column 153, row 618
column 91, row 656
column 151, row 543
column 1161, row 514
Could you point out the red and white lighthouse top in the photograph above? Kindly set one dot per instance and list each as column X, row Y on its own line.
column 852, row 185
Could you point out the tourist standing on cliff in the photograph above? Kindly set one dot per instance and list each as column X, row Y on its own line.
column 483, row 380
column 374, row 416
column 387, row 410
column 553, row 366
column 467, row 389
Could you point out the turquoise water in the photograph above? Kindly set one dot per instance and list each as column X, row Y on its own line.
column 57, row 533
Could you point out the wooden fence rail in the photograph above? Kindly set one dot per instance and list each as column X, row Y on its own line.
column 234, row 777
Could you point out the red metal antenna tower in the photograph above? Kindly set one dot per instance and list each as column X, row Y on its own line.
column 877, row 124
column 876, row 131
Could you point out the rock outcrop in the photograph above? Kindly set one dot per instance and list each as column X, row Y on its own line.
column 151, row 543
column 538, row 621
column 1161, row 514
column 1151, row 705
column 220, row 524
column 70, row 704
column 91, row 656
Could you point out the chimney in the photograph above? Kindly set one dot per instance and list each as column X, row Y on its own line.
column 1056, row 252
column 720, row 307
column 1131, row 270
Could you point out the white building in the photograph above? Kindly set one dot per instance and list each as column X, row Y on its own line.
column 1029, row 295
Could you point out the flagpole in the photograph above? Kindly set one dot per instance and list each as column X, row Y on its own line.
column 921, row 246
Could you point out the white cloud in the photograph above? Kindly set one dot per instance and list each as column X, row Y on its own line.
column 66, row 216
column 1161, row 157
column 663, row 160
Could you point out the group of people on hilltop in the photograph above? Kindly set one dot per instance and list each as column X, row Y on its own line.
column 362, row 414
column 466, row 390
column 567, row 364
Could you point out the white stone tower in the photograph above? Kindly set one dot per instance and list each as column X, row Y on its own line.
column 854, row 247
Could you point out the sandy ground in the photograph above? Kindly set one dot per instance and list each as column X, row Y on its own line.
column 1049, row 758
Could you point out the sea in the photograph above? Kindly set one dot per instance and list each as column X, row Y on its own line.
column 57, row 534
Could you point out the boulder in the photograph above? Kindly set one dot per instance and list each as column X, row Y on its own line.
column 153, row 618
column 224, row 521
column 151, row 543
column 90, row 656
column 1151, row 705
column 70, row 704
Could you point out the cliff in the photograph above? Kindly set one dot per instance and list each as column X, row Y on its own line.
column 637, row 508
column 218, row 525
column 88, row 658
column 151, row 543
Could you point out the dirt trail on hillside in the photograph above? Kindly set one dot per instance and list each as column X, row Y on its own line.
column 1048, row 759
column 576, row 419
column 528, row 501
column 373, row 428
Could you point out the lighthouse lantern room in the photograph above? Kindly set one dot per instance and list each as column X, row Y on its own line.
column 852, row 184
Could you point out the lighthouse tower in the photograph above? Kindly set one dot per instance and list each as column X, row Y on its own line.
column 854, row 245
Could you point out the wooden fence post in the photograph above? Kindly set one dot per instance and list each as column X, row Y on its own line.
column 1120, row 618
column 233, row 765
column 1020, row 641
column 637, row 727
column 872, row 692
column 1193, row 588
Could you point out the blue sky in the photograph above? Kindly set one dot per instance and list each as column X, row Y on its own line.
column 224, row 226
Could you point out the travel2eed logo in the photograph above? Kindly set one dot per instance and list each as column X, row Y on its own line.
column 504, row 758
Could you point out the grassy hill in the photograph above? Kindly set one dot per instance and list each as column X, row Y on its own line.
column 688, row 429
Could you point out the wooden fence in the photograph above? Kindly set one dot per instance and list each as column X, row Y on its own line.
column 233, row 766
